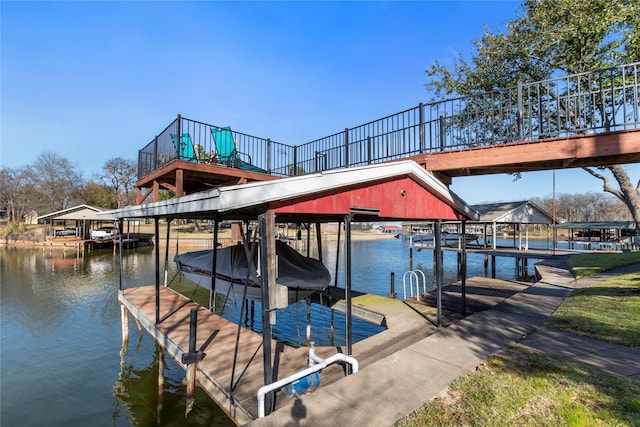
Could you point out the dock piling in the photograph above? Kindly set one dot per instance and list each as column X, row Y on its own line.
column 392, row 291
column 191, row 359
column 160, row 382
column 125, row 327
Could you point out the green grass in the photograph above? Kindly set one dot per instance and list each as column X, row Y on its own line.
column 585, row 265
column 522, row 388
column 608, row 311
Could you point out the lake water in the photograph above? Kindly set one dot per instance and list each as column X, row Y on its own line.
column 61, row 333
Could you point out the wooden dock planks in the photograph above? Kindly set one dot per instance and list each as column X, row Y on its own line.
column 217, row 338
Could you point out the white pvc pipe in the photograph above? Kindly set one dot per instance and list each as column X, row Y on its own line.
column 320, row 364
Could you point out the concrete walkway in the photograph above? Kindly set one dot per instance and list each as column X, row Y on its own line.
column 396, row 385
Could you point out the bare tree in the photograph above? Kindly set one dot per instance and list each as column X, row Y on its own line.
column 121, row 175
column 17, row 195
column 56, row 182
column 591, row 206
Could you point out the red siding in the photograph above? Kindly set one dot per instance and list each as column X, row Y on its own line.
column 400, row 199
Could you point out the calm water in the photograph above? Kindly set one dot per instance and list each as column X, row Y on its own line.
column 61, row 334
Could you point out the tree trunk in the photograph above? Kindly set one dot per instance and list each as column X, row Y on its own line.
column 627, row 193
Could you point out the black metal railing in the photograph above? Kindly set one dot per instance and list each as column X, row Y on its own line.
column 599, row 101
column 191, row 140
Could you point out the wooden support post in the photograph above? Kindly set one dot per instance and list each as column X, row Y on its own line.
column 124, row 316
column 160, row 382
column 121, row 275
column 179, row 182
column 191, row 359
column 191, row 388
column 156, row 190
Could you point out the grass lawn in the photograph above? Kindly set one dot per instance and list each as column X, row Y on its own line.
column 585, row 265
column 608, row 311
column 522, row 388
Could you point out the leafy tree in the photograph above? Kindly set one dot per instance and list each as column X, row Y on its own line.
column 96, row 194
column 121, row 175
column 547, row 38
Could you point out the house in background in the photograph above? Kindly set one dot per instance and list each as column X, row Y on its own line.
column 394, row 229
column 512, row 215
column 30, row 218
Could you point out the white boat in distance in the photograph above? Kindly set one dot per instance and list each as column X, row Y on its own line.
column 446, row 239
column 300, row 274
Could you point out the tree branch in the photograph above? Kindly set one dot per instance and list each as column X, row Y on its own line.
column 606, row 184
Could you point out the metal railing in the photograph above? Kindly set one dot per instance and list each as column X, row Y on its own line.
column 271, row 156
column 598, row 101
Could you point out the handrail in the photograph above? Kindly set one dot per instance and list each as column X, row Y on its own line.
column 598, row 101
column 319, row 365
column 412, row 274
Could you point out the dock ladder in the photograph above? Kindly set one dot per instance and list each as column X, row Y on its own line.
column 414, row 279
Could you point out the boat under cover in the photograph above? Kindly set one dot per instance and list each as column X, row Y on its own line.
column 300, row 274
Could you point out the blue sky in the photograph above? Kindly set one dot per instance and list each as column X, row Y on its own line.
column 96, row 80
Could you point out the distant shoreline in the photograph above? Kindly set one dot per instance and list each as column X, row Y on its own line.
column 184, row 239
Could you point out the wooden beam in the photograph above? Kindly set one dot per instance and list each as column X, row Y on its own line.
column 168, row 187
column 569, row 151
column 156, row 190
column 179, row 183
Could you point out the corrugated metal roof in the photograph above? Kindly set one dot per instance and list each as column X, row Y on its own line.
column 598, row 225
column 255, row 196
column 77, row 213
column 522, row 212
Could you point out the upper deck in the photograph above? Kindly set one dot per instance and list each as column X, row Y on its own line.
column 587, row 119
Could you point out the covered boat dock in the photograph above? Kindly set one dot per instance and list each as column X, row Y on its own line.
column 240, row 370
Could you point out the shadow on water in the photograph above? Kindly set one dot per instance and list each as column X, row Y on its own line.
column 61, row 333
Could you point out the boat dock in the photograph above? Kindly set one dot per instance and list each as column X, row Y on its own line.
column 233, row 382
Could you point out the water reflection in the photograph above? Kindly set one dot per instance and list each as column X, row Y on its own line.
column 143, row 402
column 60, row 340
column 60, row 332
